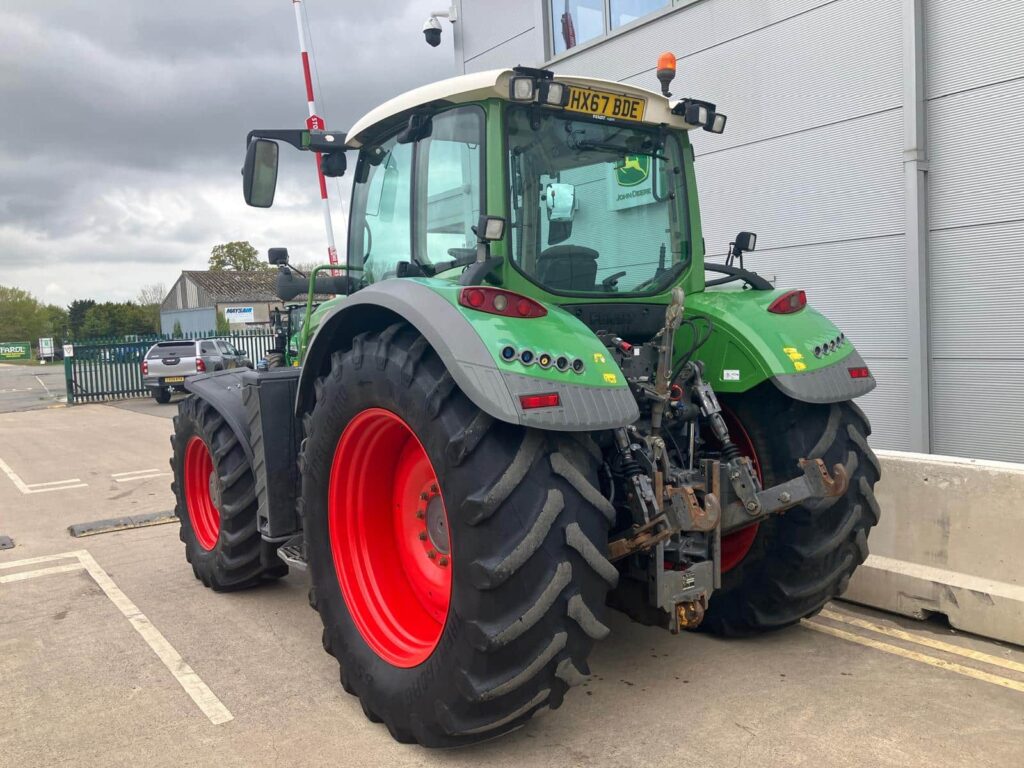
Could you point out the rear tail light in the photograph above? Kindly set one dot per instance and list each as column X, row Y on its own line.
column 200, row 365
column 145, row 368
column 546, row 400
column 498, row 302
column 861, row 372
column 788, row 303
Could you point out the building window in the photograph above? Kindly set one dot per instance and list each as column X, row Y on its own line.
column 574, row 22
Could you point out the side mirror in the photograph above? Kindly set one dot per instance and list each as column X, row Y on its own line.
column 259, row 173
column 277, row 256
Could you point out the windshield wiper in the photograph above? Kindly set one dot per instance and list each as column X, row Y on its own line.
column 619, row 149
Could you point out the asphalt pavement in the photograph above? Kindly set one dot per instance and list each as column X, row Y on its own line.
column 24, row 387
column 112, row 653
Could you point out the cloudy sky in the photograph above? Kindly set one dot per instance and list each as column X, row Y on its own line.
column 122, row 129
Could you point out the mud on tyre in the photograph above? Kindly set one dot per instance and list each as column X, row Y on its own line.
column 526, row 529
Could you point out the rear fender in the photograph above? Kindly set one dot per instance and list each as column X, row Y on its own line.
column 750, row 345
column 469, row 344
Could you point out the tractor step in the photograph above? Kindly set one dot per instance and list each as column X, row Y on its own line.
column 293, row 552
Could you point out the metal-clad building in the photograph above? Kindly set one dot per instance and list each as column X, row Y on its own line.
column 874, row 147
column 198, row 296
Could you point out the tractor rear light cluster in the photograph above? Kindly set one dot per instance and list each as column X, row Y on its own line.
column 788, row 303
column 498, row 302
column 200, row 365
column 542, row 359
column 860, row 372
column 145, row 367
column 830, row 346
column 546, row 400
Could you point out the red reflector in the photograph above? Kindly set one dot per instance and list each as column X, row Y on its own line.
column 495, row 301
column 788, row 303
column 859, row 373
column 145, row 367
column 547, row 400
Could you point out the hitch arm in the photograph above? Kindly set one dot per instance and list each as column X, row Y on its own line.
column 815, row 483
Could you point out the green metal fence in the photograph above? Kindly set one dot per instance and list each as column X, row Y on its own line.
column 111, row 369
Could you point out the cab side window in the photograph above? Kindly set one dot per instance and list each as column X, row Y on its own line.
column 395, row 217
column 382, row 213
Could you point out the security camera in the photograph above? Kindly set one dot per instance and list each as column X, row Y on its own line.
column 432, row 32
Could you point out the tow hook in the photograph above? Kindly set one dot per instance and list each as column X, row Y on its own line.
column 689, row 615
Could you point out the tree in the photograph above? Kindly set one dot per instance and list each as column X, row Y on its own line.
column 111, row 319
column 238, row 255
column 150, row 298
column 77, row 310
column 25, row 318
column 177, row 333
column 223, row 326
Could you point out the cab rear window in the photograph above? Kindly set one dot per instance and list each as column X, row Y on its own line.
column 172, row 349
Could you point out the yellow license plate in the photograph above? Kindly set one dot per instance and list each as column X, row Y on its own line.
column 173, row 379
column 605, row 104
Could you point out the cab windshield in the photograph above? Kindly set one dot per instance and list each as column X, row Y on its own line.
column 597, row 207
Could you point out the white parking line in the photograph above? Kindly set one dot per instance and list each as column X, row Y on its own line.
column 193, row 685
column 56, row 485
column 44, row 386
column 139, row 474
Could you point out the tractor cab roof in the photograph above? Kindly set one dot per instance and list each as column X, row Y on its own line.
column 493, row 84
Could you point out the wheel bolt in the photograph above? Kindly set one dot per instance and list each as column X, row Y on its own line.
column 433, row 487
column 431, row 554
column 423, row 535
column 424, row 496
column 420, row 514
column 752, row 506
column 443, row 561
column 784, row 497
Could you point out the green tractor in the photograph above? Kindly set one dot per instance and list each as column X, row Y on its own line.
column 531, row 398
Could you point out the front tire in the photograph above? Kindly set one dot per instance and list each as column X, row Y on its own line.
column 215, row 494
column 526, row 526
column 790, row 565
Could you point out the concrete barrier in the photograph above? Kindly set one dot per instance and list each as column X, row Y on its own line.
column 951, row 541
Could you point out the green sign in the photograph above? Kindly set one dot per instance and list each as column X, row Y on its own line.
column 630, row 183
column 15, row 350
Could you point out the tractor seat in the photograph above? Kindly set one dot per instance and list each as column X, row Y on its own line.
column 568, row 268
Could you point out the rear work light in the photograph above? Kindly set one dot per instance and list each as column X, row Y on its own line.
column 546, row 400
column 861, row 372
column 498, row 302
column 788, row 303
column 200, row 365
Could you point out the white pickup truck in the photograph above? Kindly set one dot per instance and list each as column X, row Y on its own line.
column 168, row 363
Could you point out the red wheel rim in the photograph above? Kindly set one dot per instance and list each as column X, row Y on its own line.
column 388, row 530
column 200, row 486
column 736, row 545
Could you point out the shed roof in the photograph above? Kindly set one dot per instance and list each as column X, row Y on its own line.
column 228, row 285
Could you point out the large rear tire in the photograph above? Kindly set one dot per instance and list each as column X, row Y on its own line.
column 790, row 565
column 507, row 630
column 215, row 493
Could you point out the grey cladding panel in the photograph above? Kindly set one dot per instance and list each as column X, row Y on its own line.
column 976, row 408
column 834, row 63
column 976, row 155
column 838, row 182
column 525, row 48
column 971, row 43
column 694, row 28
column 977, row 292
column 487, row 24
